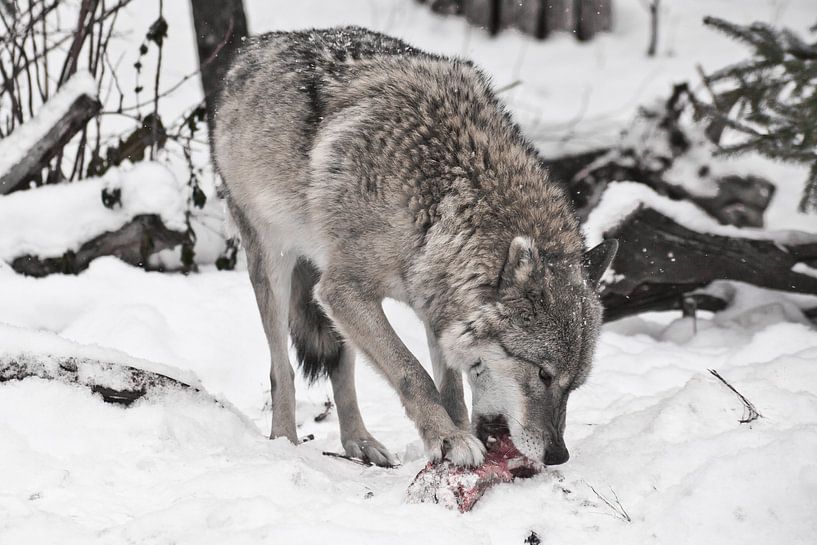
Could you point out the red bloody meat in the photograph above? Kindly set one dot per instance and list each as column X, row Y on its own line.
column 461, row 487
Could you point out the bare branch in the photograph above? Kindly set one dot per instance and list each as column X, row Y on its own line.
column 753, row 412
column 327, row 410
column 348, row 458
column 614, row 504
column 653, row 7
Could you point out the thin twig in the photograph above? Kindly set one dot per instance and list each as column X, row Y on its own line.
column 621, row 506
column 617, row 507
column 753, row 412
column 653, row 46
column 327, row 409
column 160, row 43
column 70, row 66
column 33, row 38
column 707, row 84
column 13, row 32
column 348, row 458
column 506, row 88
column 189, row 75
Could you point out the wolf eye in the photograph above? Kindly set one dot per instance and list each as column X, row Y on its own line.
column 546, row 378
column 477, row 367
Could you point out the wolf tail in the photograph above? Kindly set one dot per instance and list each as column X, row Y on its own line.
column 317, row 345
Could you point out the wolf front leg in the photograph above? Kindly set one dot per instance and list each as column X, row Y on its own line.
column 449, row 382
column 360, row 316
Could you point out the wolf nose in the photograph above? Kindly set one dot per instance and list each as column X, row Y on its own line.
column 556, row 454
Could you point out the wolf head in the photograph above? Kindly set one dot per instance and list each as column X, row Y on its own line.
column 525, row 350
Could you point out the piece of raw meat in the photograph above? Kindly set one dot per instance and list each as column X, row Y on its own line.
column 461, row 487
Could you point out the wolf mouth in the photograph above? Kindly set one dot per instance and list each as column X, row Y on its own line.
column 492, row 428
column 494, row 433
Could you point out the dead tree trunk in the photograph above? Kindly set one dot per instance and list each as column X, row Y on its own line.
column 592, row 17
column 524, row 15
column 559, row 15
column 482, row 13
column 220, row 26
column 536, row 18
column 445, row 7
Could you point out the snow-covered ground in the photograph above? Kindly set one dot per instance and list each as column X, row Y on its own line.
column 652, row 427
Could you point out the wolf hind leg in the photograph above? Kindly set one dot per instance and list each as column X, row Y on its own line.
column 449, row 383
column 270, row 270
column 321, row 351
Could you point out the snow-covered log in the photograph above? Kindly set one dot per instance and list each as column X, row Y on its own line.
column 131, row 212
column 27, row 150
column 117, row 377
column 116, row 383
column 133, row 243
column 660, row 264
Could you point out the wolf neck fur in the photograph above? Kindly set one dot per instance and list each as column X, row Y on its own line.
column 473, row 234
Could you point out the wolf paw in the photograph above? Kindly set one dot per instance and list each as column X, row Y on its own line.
column 369, row 449
column 459, row 447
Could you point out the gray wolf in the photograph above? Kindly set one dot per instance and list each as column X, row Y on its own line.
column 358, row 168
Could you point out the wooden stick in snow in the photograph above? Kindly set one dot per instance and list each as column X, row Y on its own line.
column 753, row 412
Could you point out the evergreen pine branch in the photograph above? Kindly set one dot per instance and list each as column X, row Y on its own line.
column 809, row 200
column 798, row 47
column 770, row 98
column 732, row 30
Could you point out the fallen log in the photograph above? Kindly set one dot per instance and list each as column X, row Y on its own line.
column 115, row 382
column 660, row 263
column 133, row 243
column 27, row 150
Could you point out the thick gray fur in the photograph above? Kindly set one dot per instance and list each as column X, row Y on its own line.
column 361, row 166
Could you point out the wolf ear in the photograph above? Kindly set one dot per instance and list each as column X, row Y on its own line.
column 597, row 259
column 519, row 264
